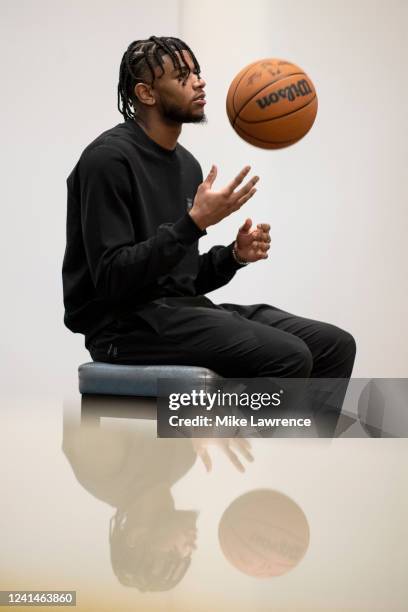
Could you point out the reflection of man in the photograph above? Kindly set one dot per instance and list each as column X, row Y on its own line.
column 151, row 541
column 134, row 282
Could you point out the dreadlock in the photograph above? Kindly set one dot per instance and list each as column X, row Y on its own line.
column 140, row 60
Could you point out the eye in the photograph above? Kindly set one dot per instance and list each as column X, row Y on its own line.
column 183, row 74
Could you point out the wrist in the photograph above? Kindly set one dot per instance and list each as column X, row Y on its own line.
column 198, row 222
column 240, row 260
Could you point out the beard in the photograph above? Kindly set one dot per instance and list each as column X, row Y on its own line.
column 177, row 114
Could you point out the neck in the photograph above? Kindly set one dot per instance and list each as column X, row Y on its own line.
column 157, row 499
column 164, row 132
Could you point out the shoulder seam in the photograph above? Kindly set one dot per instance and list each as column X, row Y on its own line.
column 88, row 152
column 103, row 144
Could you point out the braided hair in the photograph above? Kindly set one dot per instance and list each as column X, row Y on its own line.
column 139, row 62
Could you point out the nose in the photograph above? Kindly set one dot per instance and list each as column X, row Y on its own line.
column 199, row 83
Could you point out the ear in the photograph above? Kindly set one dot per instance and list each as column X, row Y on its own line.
column 145, row 94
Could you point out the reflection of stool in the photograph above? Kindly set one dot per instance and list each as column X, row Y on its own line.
column 97, row 378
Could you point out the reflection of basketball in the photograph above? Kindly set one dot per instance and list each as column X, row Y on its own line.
column 263, row 533
column 271, row 103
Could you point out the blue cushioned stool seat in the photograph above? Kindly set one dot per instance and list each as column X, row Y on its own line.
column 98, row 378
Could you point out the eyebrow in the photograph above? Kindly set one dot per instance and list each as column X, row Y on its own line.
column 183, row 67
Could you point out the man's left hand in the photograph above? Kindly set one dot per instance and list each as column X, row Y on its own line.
column 253, row 243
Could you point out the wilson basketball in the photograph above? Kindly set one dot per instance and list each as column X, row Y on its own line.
column 263, row 533
column 272, row 103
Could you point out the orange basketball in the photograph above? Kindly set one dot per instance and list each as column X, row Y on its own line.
column 271, row 103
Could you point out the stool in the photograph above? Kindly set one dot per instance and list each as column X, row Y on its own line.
column 99, row 378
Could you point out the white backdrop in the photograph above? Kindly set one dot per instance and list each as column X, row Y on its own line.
column 336, row 201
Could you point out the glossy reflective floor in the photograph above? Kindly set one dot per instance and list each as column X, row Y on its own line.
column 92, row 501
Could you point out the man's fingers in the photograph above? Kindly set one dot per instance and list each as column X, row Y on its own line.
column 265, row 227
column 261, row 254
column 246, row 188
column 245, row 226
column 233, row 458
column 205, row 458
column 260, row 244
column 237, row 180
column 244, row 199
column 262, row 232
column 211, row 176
column 243, row 449
column 262, row 247
column 243, row 442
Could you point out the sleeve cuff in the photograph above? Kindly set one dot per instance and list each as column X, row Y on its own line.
column 187, row 231
column 226, row 261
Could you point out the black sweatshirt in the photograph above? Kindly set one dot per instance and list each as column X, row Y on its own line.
column 130, row 239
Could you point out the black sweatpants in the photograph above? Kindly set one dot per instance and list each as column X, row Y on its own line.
column 235, row 341
column 238, row 341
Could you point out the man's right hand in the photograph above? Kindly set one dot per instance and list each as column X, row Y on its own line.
column 210, row 207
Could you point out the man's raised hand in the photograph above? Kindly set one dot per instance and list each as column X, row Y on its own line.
column 253, row 243
column 210, row 207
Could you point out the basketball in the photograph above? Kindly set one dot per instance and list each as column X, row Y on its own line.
column 263, row 533
column 271, row 103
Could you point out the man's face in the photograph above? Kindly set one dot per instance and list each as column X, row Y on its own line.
column 181, row 97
